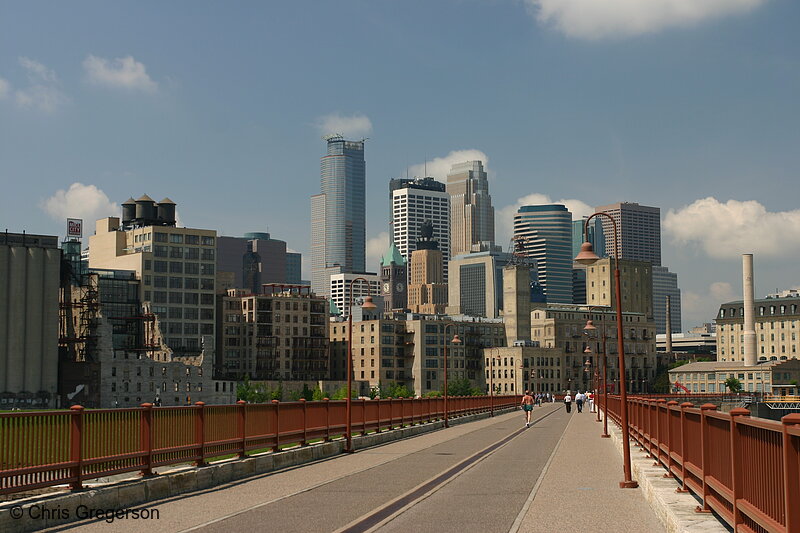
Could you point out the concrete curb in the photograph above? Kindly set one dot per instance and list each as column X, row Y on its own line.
column 675, row 510
column 46, row 511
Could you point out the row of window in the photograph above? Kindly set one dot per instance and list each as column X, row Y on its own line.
column 783, row 309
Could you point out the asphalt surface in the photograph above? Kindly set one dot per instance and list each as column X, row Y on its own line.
column 492, row 475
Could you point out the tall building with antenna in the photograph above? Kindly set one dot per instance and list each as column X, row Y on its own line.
column 338, row 231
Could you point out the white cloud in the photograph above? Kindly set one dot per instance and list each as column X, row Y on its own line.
column 354, row 125
column 721, row 291
column 43, row 93
column 597, row 19
column 376, row 246
column 122, row 72
column 439, row 167
column 5, row 88
column 505, row 219
column 727, row 230
column 38, row 72
column 80, row 201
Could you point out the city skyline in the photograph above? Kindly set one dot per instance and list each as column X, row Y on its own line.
column 235, row 134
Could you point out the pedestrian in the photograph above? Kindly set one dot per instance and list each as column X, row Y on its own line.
column 591, row 402
column 579, row 401
column 527, row 407
column 568, row 402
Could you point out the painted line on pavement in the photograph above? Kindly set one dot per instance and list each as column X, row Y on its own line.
column 401, row 504
column 532, row 496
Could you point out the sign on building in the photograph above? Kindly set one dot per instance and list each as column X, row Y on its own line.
column 75, row 227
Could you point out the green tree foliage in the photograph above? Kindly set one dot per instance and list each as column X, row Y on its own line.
column 256, row 393
column 341, row 393
column 461, row 387
column 318, row 394
column 733, row 384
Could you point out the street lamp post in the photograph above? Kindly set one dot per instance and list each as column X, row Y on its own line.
column 455, row 340
column 603, row 337
column 588, row 257
column 491, row 379
column 366, row 305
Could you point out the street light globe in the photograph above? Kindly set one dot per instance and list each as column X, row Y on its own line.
column 456, row 340
column 589, row 326
column 368, row 303
column 586, row 255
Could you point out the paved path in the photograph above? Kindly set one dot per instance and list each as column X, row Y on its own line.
column 492, row 475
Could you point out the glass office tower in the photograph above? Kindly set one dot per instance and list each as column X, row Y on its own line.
column 338, row 234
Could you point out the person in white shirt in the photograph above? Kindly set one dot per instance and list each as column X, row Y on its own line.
column 568, row 402
column 579, row 401
column 591, row 402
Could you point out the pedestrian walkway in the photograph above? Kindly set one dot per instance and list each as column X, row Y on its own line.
column 579, row 488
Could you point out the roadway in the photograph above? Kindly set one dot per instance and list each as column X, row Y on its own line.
column 492, row 475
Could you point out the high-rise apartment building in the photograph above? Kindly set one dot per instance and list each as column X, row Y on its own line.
column 640, row 231
column 665, row 283
column 338, row 233
column 413, row 202
column 545, row 234
column 176, row 266
column 776, row 322
column 279, row 333
column 471, row 211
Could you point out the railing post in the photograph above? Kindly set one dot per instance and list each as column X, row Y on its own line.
column 684, row 440
column 791, row 467
column 146, row 432
column 364, row 416
column 305, row 422
column 327, row 419
column 705, row 453
column 277, row 446
column 199, row 433
column 736, row 465
column 242, row 409
column 76, row 448
column 659, row 407
column 669, row 438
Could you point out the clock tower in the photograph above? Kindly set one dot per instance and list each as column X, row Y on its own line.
column 393, row 280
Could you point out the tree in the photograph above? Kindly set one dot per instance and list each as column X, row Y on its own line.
column 462, row 387
column 318, row 394
column 733, row 384
column 341, row 393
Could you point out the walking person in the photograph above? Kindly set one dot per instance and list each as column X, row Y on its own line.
column 527, row 407
column 568, row 402
column 579, row 401
column 591, row 402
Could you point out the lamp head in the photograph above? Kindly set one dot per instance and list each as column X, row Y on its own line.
column 586, row 255
column 456, row 340
column 587, row 350
column 589, row 326
column 368, row 303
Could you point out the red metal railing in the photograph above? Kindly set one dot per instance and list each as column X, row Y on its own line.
column 747, row 470
column 41, row 449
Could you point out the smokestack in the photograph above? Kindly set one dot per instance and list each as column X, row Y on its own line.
column 749, row 329
column 669, row 328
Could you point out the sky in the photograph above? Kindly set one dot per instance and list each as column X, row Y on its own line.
column 685, row 105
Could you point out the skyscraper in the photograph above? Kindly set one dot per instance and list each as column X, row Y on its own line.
column 547, row 234
column 640, row 240
column 596, row 236
column 427, row 292
column 338, row 233
column 471, row 211
column 640, row 231
column 665, row 283
column 413, row 202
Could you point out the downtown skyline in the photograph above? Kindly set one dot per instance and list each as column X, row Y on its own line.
column 695, row 118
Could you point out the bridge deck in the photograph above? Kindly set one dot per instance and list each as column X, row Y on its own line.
column 490, row 476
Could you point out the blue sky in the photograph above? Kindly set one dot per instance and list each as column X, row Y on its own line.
column 689, row 106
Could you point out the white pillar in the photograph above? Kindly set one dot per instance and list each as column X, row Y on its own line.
column 749, row 329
